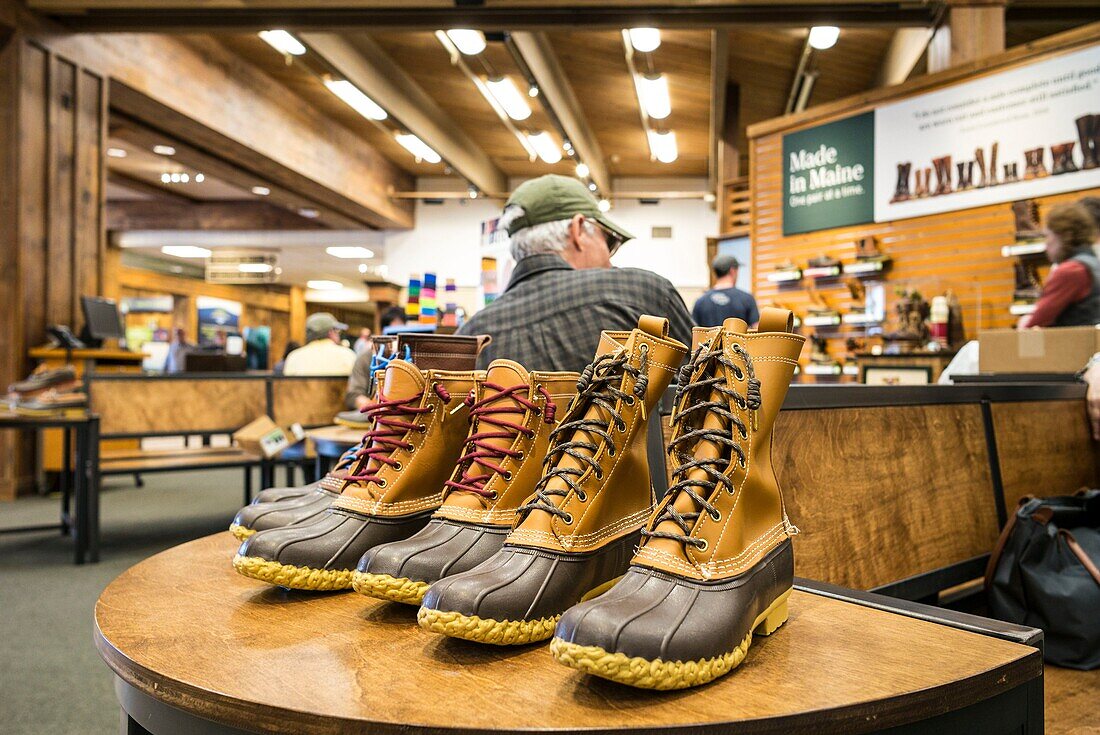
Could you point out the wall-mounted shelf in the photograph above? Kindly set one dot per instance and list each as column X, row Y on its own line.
column 813, row 369
column 1029, row 247
column 861, row 318
column 822, row 321
column 865, row 267
column 851, row 368
column 825, row 271
column 785, row 276
column 1021, row 309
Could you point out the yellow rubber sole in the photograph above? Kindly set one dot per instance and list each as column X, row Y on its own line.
column 241, row 532
column 292, row 577
column 385, row 587
column 496, row 632
column 644, row 673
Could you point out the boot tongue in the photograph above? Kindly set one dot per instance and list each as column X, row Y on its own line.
column 733, row 324
column 402, row 381
column 503, row 374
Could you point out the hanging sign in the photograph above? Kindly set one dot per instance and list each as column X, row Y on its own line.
column 828, row 175
column 1018, row 134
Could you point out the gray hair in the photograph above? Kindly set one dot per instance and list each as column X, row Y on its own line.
column 548, row 237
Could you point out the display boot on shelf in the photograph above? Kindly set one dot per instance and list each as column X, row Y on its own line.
column 901, row 191
column 1029, row 286
column 992, row 180
column 512, row 414
column 1026, row 215
column 715, row 564
column 419, row 428
column 943, row 175
column 1034, row 167
column 1011, row 173
column 983, row 174
column 923, row 177
column 62, row 380
column 1062, row 153
column 1088, row 131
column 575, row 535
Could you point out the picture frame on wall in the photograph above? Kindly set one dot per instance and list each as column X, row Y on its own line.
column 898, row 375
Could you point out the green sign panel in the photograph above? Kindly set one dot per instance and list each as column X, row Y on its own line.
column 829, row 175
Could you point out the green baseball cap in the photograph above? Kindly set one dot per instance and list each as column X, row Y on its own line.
column 551, row 197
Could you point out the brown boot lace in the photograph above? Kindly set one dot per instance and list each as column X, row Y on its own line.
column 708, row 380
column 599, row 385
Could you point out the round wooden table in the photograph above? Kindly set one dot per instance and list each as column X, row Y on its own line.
column 197, row 648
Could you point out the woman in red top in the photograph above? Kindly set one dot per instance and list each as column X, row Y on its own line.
column 1071, row 295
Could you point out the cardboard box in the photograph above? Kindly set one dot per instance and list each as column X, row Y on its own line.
column 265, row 437
column 1045, row 350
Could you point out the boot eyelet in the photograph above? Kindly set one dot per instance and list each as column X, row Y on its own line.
column 582, row 496
column 382, row 483
column 494, row 495
column 598, row 474
column 421, row 428
column 629, row 400
column 520, row 456
column 568, row 520
column 620, row 425
column 701, row 544
column 715, row 516
column 507, row 476
column 611, row 451
column 742, row 463
column 431, row 408
column 397, row 467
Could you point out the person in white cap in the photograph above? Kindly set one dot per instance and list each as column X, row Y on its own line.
column 323, row 354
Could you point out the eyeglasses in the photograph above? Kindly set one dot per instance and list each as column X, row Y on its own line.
column 612, row 239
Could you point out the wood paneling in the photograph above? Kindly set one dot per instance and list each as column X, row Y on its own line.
column 307, row 401
column 176, row 215
column 1044, row 449
column 166, row 405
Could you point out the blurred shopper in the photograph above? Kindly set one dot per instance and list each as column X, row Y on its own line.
column 177, row 351
column 364, row 343
column 1071, row 295
column 281, row 364
column 564, row 290
column 322, row 354
column 392, row 317
column 725, row 300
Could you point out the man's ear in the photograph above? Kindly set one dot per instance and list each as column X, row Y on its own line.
column 576, row 229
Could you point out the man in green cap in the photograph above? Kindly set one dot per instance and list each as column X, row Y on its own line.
column 323, row 353
column 564, row 291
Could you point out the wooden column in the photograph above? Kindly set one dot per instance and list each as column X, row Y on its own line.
column 52, row 139
column 973, row 29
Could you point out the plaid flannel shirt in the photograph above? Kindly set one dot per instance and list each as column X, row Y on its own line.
column 550, row 316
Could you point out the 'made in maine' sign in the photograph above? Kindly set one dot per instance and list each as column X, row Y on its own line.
column 828, row 175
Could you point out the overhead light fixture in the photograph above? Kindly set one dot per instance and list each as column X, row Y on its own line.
column 255, row 267
column 166, row 178
column 309, row 213
column 592, row 186
column 709, row 197
column 185, row 178
column 508, row 95
column 363, row 268
column 349, row 251
column 663, row 146
column 545, row 147
column 164, row 150
column 603, row 205
column 533, row 91
column 653, row 91
column 420, row 150
column 467, row 40
column 199, row 178
column 116, row 152
column 582, row 170
column 174, row 178
column 283, row 42
column 186, row 251
column 355, row 99
column 645, row 39
column 824, row 37
column 323, row 285
column 261, row 191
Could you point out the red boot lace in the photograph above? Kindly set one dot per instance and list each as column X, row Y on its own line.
column 391, row 424
column 487, row 412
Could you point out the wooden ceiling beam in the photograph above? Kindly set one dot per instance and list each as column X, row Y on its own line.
column 363, row 62
column 151, row 215
column 905, row 50
column 719, row 77
column 199, row 92
column 555, row 88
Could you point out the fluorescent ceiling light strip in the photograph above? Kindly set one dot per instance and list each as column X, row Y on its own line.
column 545, row 147
column 508, row 95
column 355, row 99
column 421, row 150
column 824, row 37
column 283, row 42
column 653, row 95
column 349, row 251
column 324, row 285
column 186, row 251
column 470, row 42
column 663, row 146
column 255, row 267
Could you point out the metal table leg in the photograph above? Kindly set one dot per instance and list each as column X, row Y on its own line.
column 65, row 481
column 80, row 482
column 93, row 488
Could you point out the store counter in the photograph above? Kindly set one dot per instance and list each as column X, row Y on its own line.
column 198, row 648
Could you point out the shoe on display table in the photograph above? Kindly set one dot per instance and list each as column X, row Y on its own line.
column 577, row 532
column 715, row 564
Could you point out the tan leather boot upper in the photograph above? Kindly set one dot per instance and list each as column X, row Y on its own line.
column 596, row 487
column 725, row 512
column 512, row 415
column 420, row 424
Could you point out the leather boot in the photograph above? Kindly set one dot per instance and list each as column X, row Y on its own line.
column 512, row 414
column 575, row 535
column 1012, row 174
column 1088, row 132
column 715, row 564
column 293, row 505
column 419, row 428
column 1034, row 167
column 943, row 175
column 979, row 158
column 901, row 191
column 1062, row 153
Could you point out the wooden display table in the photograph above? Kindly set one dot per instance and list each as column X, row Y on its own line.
column 198, row 648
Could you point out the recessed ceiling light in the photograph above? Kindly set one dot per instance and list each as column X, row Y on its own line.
column 582, row 170
column 166, row 178
column 186, row 251
column 255, row 267
column 174, row 178
column 324, row 285
column 603, row 205
column 468, row 41
column 362, row 267
column 116, row 152
column 164, row 150
column 309, row 213
column 645, row 39
column 349, row 251
column 592, row 186
column 356, row 99
column 199, row 178
column 545, row 147
column 824, row 37
column 420, row 150
column 261, row 191
column 709, row 197
column 283, row 42
column 185, row 178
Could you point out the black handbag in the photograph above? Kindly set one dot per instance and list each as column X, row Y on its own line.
column 1045, row 573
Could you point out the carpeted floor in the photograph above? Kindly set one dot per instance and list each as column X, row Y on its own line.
column 52, row 680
